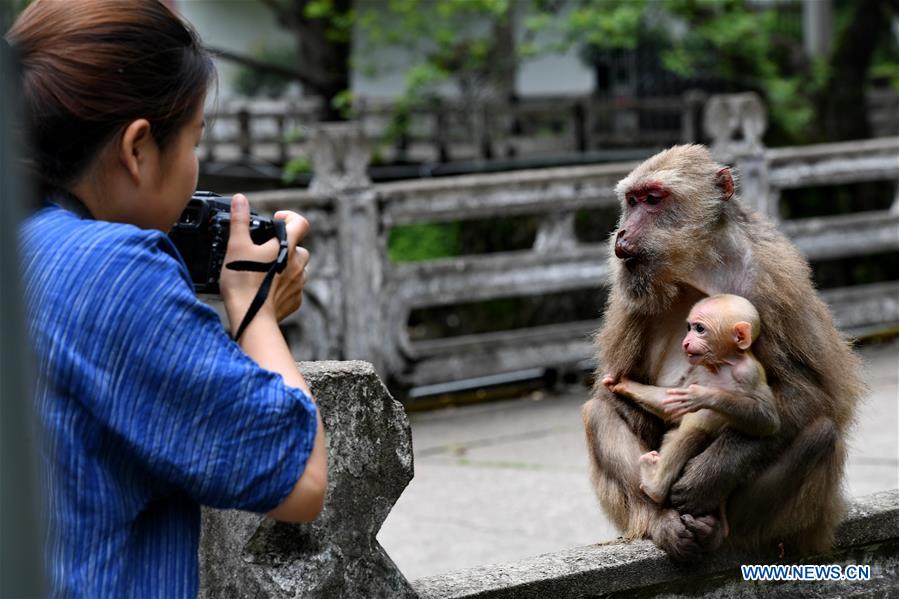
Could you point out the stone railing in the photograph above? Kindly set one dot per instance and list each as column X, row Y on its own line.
column 869, row 536
column 445, row 130
column 358, row 302
column 369, row 465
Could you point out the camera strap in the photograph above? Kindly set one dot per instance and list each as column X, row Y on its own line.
column 269, row 268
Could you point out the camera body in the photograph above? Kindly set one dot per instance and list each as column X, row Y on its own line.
column 201, row 236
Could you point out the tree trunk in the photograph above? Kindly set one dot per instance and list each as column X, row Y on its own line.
column 324, row 55
column 323, row 49
column 842, row 110
column 505, row 60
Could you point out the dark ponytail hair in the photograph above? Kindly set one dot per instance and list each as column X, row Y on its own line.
column 90, row 67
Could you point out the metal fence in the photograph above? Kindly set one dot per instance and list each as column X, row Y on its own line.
column 359, row 302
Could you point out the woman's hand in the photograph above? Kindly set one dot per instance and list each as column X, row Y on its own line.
column 288, row 295
column 262, row 340
column 239, row 288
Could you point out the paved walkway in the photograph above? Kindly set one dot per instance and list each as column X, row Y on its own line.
column 508, row 480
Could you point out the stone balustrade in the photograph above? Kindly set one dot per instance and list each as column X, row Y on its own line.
column 370, row 463
column 358, row 302
column 869, row 536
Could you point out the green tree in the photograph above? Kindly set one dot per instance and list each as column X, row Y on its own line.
column 466, row 48
column 477, row 46
column 743, row 45
column 865, row 35
column 751, row 46
column 323, row 33
column 466, row 43
column 251, row 81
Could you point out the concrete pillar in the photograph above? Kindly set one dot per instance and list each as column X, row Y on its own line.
column 556, row 233
column 369, row 464
column 755, row 189
column 736, row 123
column 817, row 27
column 340, row 157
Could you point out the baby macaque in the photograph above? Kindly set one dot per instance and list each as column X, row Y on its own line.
column 724, row 386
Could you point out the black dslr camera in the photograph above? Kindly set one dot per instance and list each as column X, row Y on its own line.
column 201, row 236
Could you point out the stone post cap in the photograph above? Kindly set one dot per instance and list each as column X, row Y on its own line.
column 340, row 158
column 736, row 123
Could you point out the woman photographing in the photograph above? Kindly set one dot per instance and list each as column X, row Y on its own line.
column 147, row 406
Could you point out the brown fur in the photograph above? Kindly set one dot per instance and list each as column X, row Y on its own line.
column 725, row 386
column 794, row 495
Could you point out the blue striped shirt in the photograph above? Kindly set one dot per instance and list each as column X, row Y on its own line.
column 148, row 410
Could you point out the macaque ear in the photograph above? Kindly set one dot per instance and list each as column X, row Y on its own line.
column 743, row 335
column 725, row 182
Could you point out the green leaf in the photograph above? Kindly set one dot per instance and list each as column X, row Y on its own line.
column 343, row 103
column 295, row 167
column 424, row 241
column 319, row 9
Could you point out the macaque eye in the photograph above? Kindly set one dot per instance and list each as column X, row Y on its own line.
column 631, row 201
column 688, row 327
column 652, row 200
column 700, row 329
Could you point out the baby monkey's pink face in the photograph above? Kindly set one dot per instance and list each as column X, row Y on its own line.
column 719, row 328
column 695, row 343
column 704, row 342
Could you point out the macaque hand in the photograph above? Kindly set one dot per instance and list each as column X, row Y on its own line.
column 610, row 380
column 617, row 384
column 681, row 401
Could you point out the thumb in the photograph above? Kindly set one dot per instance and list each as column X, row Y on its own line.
column 240, row 218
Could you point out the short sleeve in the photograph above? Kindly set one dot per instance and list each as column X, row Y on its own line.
column 159, row 371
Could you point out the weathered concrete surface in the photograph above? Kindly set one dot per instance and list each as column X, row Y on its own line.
column 494, row 483
column 369, row 465
column 874, row 440
column 868, row 536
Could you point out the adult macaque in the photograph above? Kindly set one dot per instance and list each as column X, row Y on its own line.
column 683, row 236
column 724, row 386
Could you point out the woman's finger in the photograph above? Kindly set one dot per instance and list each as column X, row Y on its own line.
column 297, row 226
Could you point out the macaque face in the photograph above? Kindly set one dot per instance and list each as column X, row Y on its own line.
column 719, row 327
column 696, row 342
column 708, row 337
column 653, row 208
column 670, row 206
column 644, row 202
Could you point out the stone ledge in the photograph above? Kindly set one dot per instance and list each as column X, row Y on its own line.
column 869, row 536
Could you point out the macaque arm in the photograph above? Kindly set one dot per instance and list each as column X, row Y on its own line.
column 646, row 396
column 752, row 412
